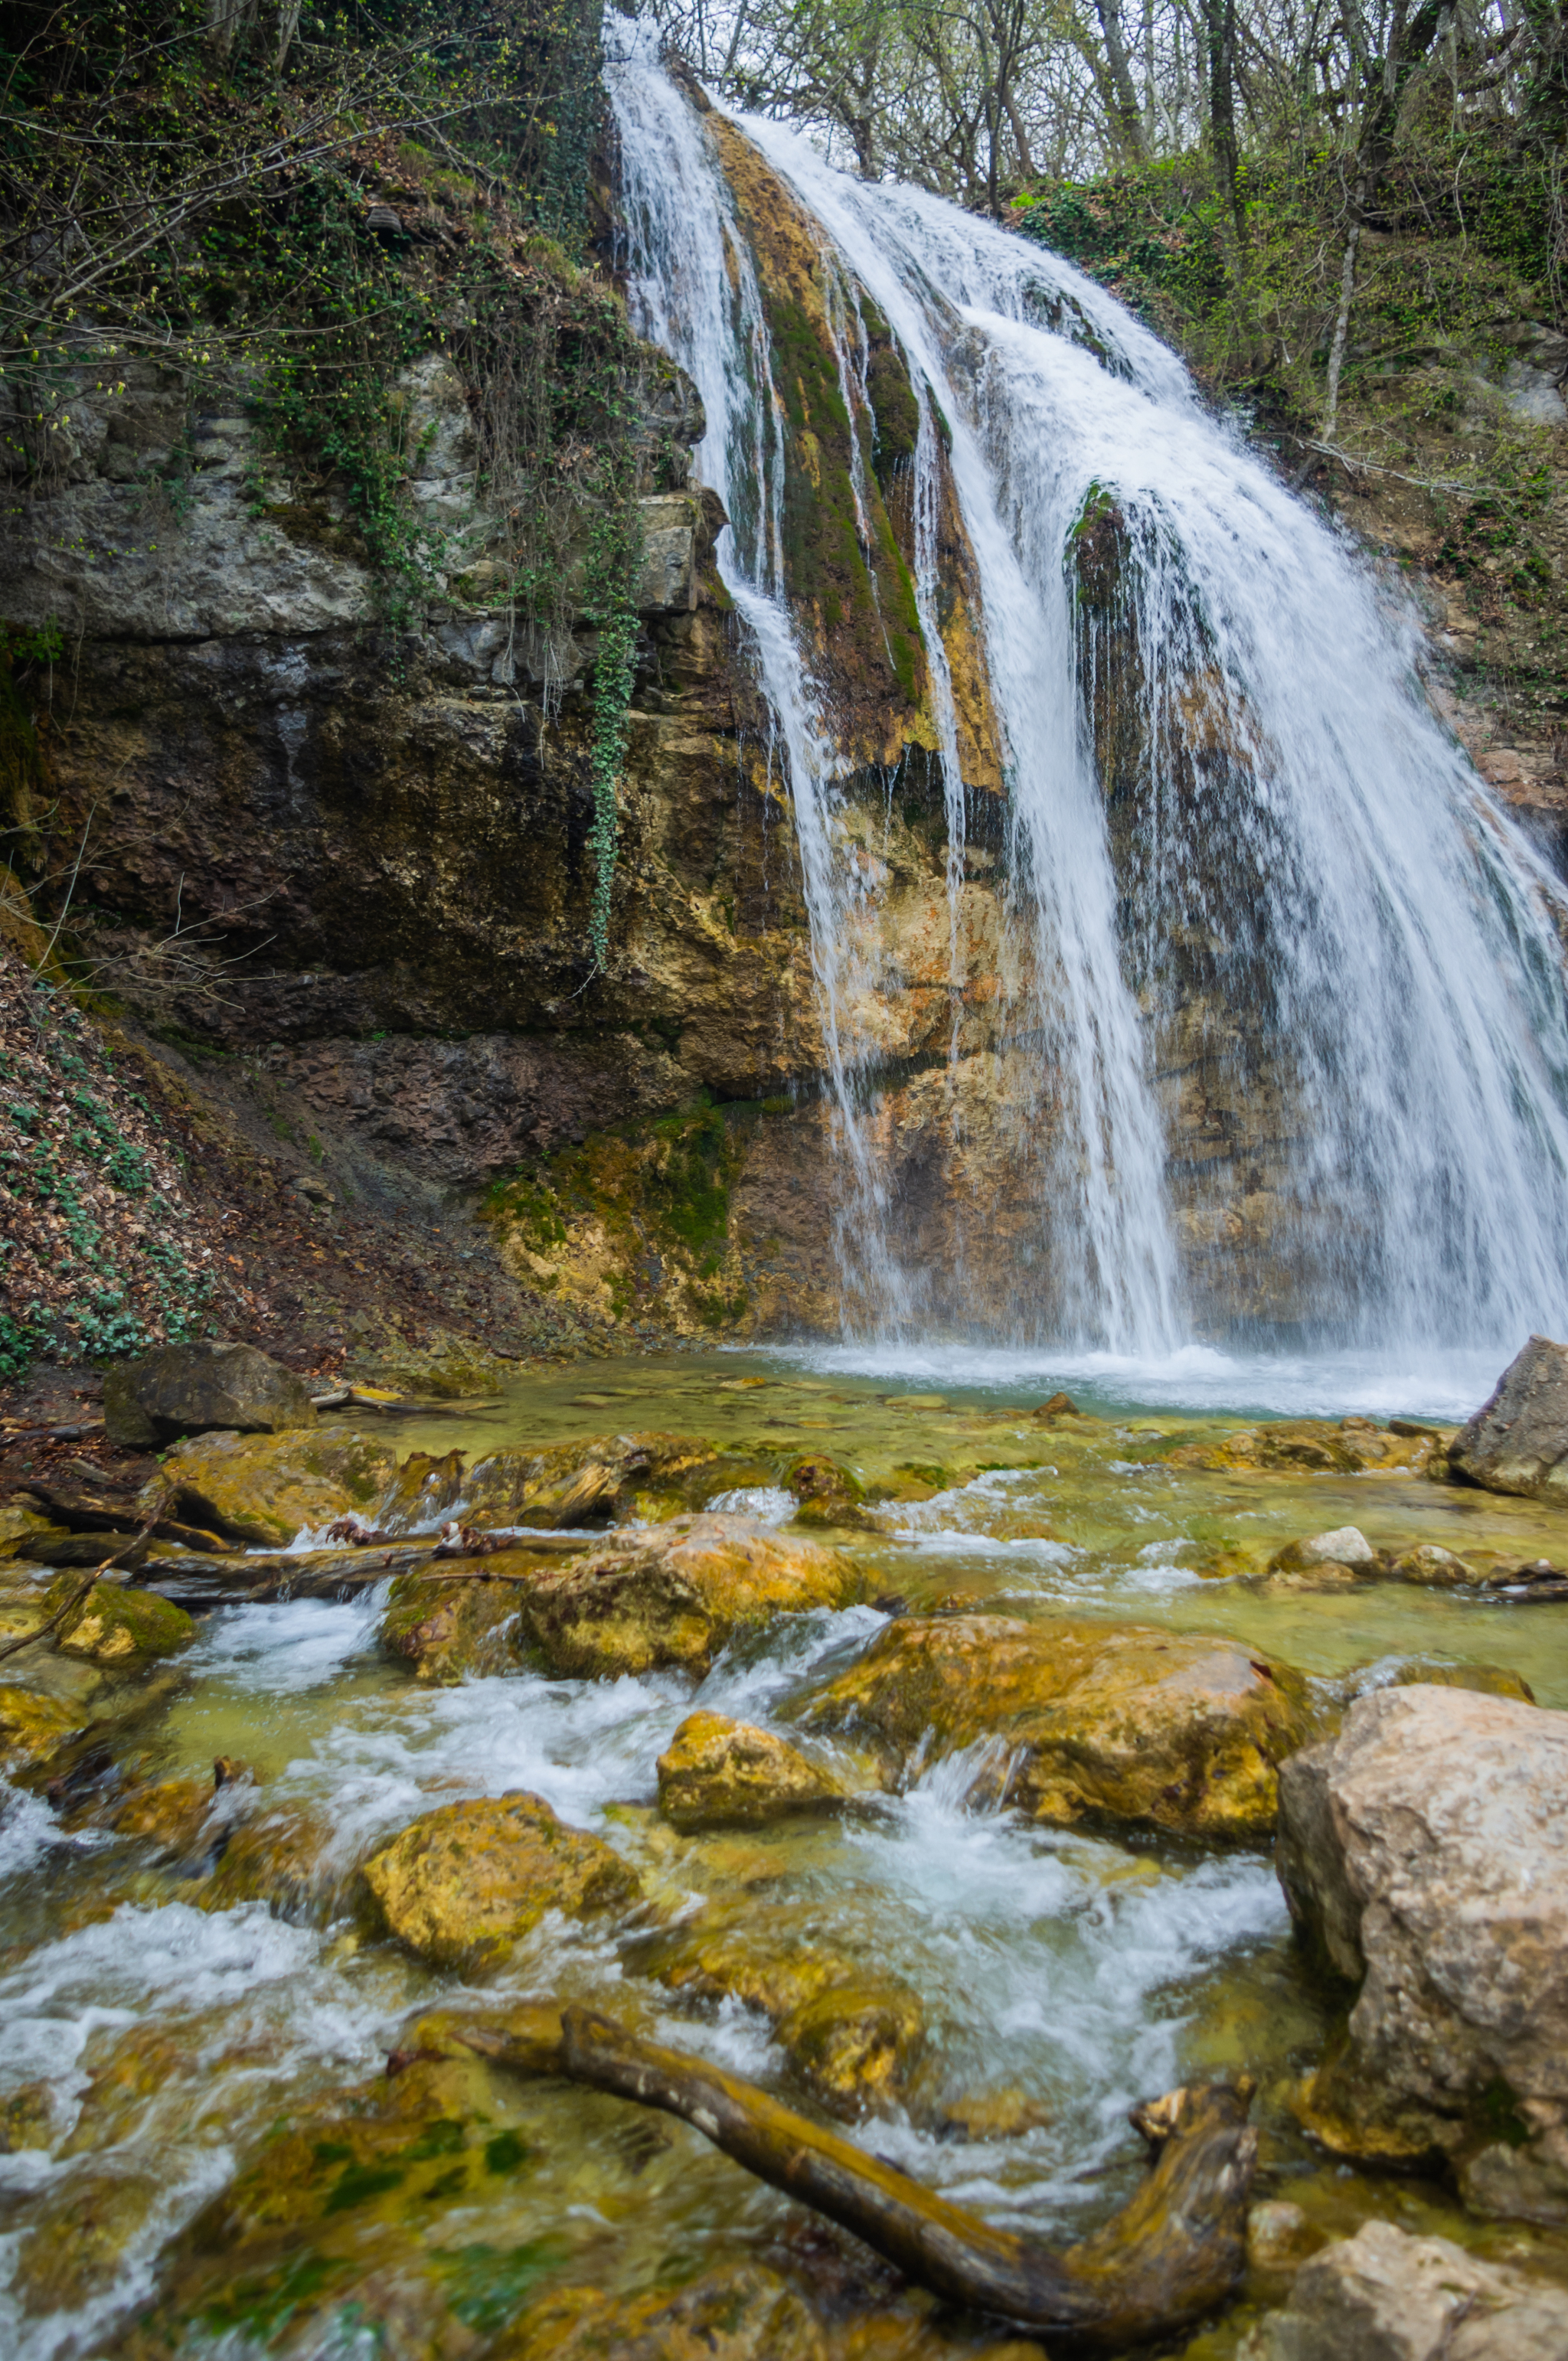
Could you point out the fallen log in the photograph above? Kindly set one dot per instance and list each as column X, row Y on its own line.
column 248, row 1581
column 100, row 1516
column 1175, row 2250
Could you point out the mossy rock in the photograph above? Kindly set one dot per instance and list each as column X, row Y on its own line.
column 171, row 1813
column 115, row 1624
column 287, row 1856
column 264, row 1488
column 674, row 1595
column 450, row 1631
column 34, row 1730
column 602, row 1476
column 741, row 2314
column 1157, row 1729
column 717, row 1773
column 462, row 1885
column 828, row 1493
column 855, row 2043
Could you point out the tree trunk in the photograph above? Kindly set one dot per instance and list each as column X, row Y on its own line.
column 1220, row 20
column 1174, row 2251
column 1129, row 123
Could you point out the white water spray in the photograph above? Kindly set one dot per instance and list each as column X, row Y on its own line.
column 1310, row 841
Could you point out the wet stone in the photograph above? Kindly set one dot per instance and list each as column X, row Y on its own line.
column 118, row 1624
column 265, row 1490
column 742, row 2313
column 460, row 1886
column 450, row 1631
column 717, row 1772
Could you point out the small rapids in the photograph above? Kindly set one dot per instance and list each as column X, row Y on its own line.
column 1296, row 836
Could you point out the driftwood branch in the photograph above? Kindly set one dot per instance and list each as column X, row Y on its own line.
column 1173, row 2252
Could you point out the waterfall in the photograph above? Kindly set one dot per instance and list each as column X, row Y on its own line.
column 1252, row 880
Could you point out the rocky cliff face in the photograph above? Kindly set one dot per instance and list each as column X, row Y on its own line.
column 340, row 854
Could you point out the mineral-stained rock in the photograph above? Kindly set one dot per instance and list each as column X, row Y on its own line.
column 265, row 1488
column 1321, row 1446
column 287, row 1858
column 1162, row 1728
column 450, row 1631
column 172, row 1813
column 34, row 1730
column 828, row 1493
column 118, row 1624
column 742, row 2313
column 603, row 1476
column 1518, row 1442
column 1385, row 2296
column 674, row 1593
column 461, row 1885
column 1411, row 1672
column 1435, row 1569
column 716, row 1771
column 192, row 1389
column 1424, row 1855
column 852, row 2033
column 1279, row 2238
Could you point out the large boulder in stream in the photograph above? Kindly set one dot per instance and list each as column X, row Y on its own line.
column 265, row 1488
column 1424, row 1856
column 717, row 1773
column 1517, row 1440
column 1161, row 1729
column 570, row 1484
column 115, row 1623
column 193, row 1388
column 1386, row 2296
column 673, row 1594
column 460, row 1886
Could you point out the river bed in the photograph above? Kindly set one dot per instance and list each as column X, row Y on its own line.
column 153, row 2042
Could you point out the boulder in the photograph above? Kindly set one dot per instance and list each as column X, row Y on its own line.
column 265, row 1490
column 1346, row 1545
column 460, row 1886
column 607, row 1474
column 675, row 1593
column 450, row 1631
column 852, row 2033
column 192, row 1389
column 287, row 1856
column 1345, row 1447
column 1159, row 1729
column 828, row 1493
column 172, row 1814
column 1517, row 1440
column 1386, row 2296
column 34, row 1730
column 1424, row 1856
column 717, row 1773
column 115, row 1624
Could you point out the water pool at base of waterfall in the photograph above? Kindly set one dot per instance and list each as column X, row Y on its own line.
column 204, row 2153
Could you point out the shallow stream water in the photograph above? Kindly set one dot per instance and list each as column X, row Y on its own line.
column 153, row 2041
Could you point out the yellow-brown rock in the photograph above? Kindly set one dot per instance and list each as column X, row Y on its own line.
column 567, row 1485
column 742, row 2313
column 172, row 1813
column 461, row 1885
column 1347, row 1446
column 263, row 1488
column 716, row 1771
column 676, row 1593
column 286, row 1858
column 450, row 1631
column 853, row 2035
column 1159, row 1729
column 116, row 1623
column 34, row 1728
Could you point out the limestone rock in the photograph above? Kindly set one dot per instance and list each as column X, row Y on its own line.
column 1161, row 1728
column 172, row 1813
column 1346, row 1545
column 1424, row 1856
column 450, row 1631
column 716, row 1771
column 265, row 1488
column 286, row 1857
column 1517, row 1440
column 741, row 2314
column 1347, row 1446
column 1385, row 2296
column 193, row 1388
column 674, row 1593
column 607, row 1474
column 462, row 1884
column 1436, row 1568
column 34, row 1728
column 828, row 1493
column 853, row 2034
column 1279, row 2238
column 117, row 1624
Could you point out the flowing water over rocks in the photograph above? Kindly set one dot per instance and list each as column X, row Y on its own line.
column 908, row 1932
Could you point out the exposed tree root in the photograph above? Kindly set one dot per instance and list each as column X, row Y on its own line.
column 1173, row 2252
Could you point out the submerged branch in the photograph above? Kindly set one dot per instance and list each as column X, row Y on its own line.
column 1173, row 2252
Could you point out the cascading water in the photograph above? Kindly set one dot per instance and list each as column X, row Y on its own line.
column 1288, row 847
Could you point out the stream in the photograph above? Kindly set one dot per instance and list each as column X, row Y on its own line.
column 155, row 2040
